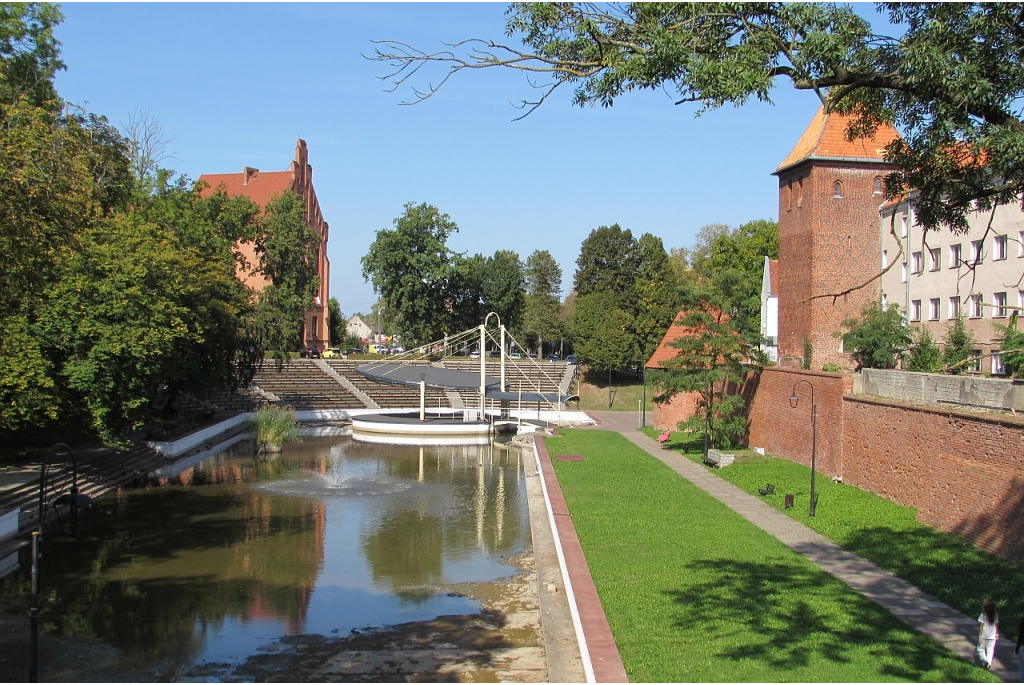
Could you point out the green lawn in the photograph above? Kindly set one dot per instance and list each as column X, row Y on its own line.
column 626, row 393
column 887, row 533
column 693, row 592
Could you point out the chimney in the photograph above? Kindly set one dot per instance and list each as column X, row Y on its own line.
column 248, row 173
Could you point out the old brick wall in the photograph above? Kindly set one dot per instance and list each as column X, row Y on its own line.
column 670, row 414
column 963, row 471
column 785, row 431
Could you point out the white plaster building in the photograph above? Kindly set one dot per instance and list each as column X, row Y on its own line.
column 933, row 276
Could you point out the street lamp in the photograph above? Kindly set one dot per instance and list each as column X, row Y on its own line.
column 793, row 400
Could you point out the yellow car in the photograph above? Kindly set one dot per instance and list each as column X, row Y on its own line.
column 332, row 352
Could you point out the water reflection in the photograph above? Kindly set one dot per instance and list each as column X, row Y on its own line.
column 331, row 536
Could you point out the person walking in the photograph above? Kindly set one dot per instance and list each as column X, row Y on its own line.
column 1016, row 650
column 988, row 633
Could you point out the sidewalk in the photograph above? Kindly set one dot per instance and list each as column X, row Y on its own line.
column 947, row 626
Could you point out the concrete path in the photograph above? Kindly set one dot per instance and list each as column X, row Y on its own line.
column 921, row 611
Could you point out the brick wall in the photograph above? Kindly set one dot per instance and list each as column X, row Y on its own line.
column 963, row 471
column 671, row 414
column 785, row 431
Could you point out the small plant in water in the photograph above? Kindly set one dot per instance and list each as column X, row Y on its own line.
column 273, row 427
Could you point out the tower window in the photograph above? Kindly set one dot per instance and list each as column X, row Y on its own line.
column 837, row 189
column 878, row 185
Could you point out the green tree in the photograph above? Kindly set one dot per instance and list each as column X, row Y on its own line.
column 959, row 344
column 878, row 339
column 925, row 354
column 950, row 77
column 1011, row 346
column 504, row 288
column 541, row 314
column 335, row 322
column 710, row 357
column 602, row 334
column 29, row 54
column 608, row 263
column 411, row 268
column 657, row 296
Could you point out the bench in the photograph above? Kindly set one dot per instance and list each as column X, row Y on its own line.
column 718, row 459
column 768, row 489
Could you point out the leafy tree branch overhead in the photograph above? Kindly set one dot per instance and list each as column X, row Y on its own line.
column 950, row 78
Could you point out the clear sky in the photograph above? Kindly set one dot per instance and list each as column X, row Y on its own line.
column 236, row 84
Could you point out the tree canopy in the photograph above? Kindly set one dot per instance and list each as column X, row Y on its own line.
column 878, row 338
column 950, row 78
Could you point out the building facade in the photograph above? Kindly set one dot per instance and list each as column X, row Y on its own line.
column 935, row 275
column 830, row 190
column 261, row 187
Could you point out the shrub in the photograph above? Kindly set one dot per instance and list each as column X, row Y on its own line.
column 273, row 425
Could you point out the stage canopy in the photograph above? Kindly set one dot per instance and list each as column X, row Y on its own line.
column 434, row 376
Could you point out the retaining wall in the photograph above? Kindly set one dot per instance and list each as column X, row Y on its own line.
column 937, row 388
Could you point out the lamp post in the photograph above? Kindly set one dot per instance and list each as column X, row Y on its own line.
column 793, row 401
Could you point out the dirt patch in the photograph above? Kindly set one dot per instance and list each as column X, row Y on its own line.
column 503, row 642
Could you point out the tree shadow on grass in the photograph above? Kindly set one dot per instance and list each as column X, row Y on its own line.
column 946, row 567
column 790, row 616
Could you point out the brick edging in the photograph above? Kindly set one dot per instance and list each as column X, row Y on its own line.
column 604, row 654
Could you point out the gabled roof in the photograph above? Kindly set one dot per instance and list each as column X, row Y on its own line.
column 825, row 139
column 773, row 275
column 258, row 186
column 665, row 350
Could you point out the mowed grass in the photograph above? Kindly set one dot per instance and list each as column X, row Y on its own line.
column 627, row 393
column 941, row 564
column 695, row 593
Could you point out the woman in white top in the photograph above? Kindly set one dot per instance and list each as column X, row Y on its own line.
column 988, row 633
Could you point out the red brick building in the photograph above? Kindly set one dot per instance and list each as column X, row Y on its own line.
column 260, row 187
column 830, row 190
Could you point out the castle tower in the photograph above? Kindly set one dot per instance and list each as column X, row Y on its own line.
column 830, row 190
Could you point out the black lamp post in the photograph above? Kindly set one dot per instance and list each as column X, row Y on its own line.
column 793, row 400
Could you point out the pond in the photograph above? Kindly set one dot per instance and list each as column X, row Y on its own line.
column 217, row 561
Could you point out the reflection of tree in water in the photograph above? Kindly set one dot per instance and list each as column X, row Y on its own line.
column 157, row 562
column 405, row 551
column 476, row 504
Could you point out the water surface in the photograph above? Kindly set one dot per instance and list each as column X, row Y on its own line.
column 210, row 563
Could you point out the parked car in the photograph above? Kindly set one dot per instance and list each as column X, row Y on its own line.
column 531, row 355
column 475, row 354
column 553, row 358
column 309, row 353
column 353, row 350
column 332, row 352
column 571, row 359
column 514, row 355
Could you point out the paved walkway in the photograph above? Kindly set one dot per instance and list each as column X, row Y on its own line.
column 921, row 611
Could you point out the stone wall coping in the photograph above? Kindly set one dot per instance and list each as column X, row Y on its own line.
column 1009, row 420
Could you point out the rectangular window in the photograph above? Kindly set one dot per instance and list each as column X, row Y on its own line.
column 934, row 258
column 954, row 306
column 999, row 247
column 1020, row 244
column 997, row 364
column 977, row 311
column 915, row 310
column 903, row 271
column 954, row 256
column 885, row 258
column 999, row 302
column 975, row 363
column 933, row 309
column 977, row 251
column 917, row 261
column 885, row 302
column 903, row 226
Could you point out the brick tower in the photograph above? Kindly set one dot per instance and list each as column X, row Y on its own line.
column 830, row 190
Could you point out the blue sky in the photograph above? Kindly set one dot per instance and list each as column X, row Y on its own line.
column 236, row 84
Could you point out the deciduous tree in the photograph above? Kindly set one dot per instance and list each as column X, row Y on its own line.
column 878, row 338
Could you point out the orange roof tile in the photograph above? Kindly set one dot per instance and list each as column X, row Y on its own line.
column 825, row 138
column 665, row 351
column 261, row 185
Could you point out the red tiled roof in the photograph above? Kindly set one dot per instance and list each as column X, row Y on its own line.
column 665, row 351
column 261, row 186
column 825, row 137
column 773, row 276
